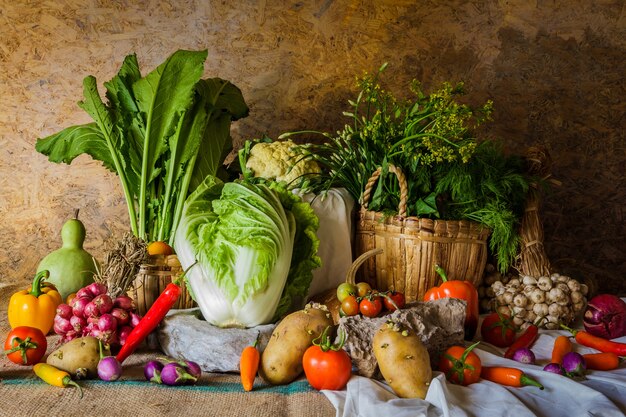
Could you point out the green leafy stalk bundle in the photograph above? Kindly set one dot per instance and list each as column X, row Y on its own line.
column 162, row 134
column 451, row 173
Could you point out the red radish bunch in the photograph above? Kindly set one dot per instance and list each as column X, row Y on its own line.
column 94, row 313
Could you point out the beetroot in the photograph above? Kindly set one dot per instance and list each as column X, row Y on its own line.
column 605, row 316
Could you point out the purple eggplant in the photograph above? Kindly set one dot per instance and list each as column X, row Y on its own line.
column 574, row 364
column 555, row 368
column 152, row 371
column 175, row 374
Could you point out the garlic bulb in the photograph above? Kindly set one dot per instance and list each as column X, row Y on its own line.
column 547, row 301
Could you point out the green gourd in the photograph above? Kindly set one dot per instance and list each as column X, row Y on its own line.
column 71, row 267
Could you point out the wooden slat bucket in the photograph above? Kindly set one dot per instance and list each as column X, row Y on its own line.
column 412, row 246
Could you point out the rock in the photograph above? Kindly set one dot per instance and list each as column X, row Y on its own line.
column 439, row 324
column 183, row 334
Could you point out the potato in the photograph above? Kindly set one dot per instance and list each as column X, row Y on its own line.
column 281, row 361
column 403, row 360
column 79, row 357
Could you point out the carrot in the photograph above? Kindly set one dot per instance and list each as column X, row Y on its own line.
column 249, row 365
column 562, row 346
column 604, row 361
column 511, row 377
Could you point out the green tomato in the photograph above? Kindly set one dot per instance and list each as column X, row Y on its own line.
column 344, row 290
column 363, row 288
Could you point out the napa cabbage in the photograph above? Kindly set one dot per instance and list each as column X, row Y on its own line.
column 255, row 246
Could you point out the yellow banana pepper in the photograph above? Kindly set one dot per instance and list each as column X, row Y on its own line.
column 36, row 306
column 55, row 377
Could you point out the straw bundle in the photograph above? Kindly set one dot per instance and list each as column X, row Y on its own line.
column 533, row 259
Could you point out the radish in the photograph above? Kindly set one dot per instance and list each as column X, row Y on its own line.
column 109, row 368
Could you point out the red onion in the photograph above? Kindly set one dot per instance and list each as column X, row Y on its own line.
column 121, row 315
column 123, row 333
column 78, row 306
column 78, row 323
column 97, row 288
column 84, row 293
column 125, row 302
column 62, row 325
column 605, row 316
column 134, row 319
column 104, row 303
column 91, row 310
column 65, row 311
column 107, row 323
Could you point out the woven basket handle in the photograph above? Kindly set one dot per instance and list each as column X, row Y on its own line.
column 403, row 188
column 351, row 274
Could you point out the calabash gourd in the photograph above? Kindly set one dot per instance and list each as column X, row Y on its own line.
column 71, row 267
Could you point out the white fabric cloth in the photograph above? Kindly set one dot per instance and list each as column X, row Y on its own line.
column 601, row 394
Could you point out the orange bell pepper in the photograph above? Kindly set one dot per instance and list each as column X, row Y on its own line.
column 36, row 306
column 463, row 290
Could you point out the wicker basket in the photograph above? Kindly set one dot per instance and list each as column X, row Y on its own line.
column 412, row 246
column 150, row 282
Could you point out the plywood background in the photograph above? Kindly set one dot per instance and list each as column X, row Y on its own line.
column 555, row 70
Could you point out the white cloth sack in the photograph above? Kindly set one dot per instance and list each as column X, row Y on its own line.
column 335, row 211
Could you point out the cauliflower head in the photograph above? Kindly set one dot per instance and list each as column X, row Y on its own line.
column 280, row 161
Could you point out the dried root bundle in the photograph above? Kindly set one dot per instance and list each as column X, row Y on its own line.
column 121, row 264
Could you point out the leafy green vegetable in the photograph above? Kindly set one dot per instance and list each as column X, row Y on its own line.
column 162, row 134
column 451, row 173
column 256, row 247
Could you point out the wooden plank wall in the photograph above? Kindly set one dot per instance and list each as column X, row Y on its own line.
column 554, row 69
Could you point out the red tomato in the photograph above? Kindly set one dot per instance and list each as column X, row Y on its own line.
column 397, row 298
column 371, row 306
column 25, row 345
column 350, row 306
column 461, row 366
column 498, row 329
column 327, row 366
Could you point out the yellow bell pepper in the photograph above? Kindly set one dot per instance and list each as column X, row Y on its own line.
column 36, row 306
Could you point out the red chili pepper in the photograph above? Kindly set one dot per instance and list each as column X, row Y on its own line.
column 525, row 340
column 598, row 343
column 150, row 320
column 463, row 290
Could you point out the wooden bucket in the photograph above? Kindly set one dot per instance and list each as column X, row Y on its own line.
column 412, row 246
column 150, row 282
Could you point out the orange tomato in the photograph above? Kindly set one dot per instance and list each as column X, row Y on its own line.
column 461, row 365
column 159, row 247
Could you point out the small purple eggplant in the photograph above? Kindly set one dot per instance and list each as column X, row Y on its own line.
column 175, row 374
column 152, row 371
column 574, row 364
column 555, row 368
column 524, row 355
